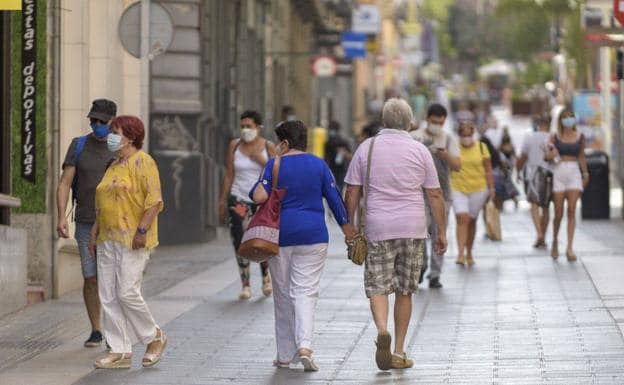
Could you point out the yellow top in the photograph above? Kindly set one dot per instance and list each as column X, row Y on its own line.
column 126, row 191
column 471, row 177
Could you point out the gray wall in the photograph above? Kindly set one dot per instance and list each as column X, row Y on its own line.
column 13, row 264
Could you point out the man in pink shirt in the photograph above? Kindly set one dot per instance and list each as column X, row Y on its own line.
column 395, row 223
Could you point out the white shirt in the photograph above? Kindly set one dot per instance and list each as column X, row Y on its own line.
column 534, row 147
column 246, row 174
column 495, row 135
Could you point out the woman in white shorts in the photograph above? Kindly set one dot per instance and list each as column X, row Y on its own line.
column 472, row 185
column 570, row 176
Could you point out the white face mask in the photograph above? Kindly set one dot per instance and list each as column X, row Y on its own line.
column 248, row 134
column 435, row 129
column 466, row 141
column 281, row 149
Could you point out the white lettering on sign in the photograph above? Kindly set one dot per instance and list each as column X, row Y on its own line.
column 29, row 89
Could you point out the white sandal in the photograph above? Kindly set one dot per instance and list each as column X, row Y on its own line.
column 308, row 364
column 151, row 359
column 282, row 365
column 114, row 361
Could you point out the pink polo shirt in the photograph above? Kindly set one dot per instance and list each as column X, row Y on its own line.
column 401, row 168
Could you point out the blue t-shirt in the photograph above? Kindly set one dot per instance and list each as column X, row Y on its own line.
column 307, row 180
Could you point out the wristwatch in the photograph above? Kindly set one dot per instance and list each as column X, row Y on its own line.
column 142, row 230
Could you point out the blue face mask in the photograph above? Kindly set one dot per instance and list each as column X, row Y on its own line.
column 568, row 122
column 100, row 130
column 113, row 141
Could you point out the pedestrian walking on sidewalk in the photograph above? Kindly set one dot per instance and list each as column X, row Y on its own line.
column 445, row 152
column 246, row 159
column 566, row 149
column 503, row 182
column 472, row 186
column 531, row 160
column 303, row 239
column 83, row 169
column 337, row 153
column 128, row 201
column 396, row 226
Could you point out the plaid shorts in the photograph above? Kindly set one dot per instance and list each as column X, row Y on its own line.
column 393, row 266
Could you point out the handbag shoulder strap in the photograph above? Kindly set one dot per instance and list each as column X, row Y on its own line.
column 366, row 186
column 275, row 171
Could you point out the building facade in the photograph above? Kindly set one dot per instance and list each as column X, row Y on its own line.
column 224, row 57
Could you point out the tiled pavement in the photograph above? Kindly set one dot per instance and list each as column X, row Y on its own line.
column 516, row 317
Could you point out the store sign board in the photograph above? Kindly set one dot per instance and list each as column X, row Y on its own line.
column 10, row 5
column 29, row 86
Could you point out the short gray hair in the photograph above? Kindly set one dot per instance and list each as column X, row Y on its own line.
column 397, row 114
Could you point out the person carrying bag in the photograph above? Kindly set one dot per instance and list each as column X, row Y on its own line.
column 261, row 239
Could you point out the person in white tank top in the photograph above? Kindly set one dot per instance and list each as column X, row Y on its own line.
column 246, row 158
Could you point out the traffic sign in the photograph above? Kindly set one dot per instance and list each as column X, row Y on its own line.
column 354, row 44
column 324, row 66
column 618, row 11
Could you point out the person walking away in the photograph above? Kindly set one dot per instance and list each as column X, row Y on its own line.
column 567, row 149
column 496, row 164
column 83, row 169
column 288, row 113
column 337, row 154
column 472, row 186
column 396, row 225
column 531, row 158
column 246, row 158
column 303, row 240
column 504, row 185
column 445, row 152
column 369, row 130
column 493, row 132
column 128, row 201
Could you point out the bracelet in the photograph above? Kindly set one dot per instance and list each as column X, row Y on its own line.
column 142, row 230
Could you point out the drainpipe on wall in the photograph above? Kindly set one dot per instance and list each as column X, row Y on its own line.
column 145, row 68
column 54, row 113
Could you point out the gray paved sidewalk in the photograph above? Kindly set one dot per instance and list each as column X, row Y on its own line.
column 45, row 340
column 517, row 317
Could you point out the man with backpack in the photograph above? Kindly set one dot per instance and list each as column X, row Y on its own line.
column 83, row 168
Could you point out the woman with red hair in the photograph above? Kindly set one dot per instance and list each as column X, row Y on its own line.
column 127, row 202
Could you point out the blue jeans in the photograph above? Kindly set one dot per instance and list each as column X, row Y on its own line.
column 87, row 262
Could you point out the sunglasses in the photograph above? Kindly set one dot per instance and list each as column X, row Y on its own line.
column 96, row 121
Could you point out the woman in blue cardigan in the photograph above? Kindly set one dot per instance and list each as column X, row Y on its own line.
column 296, row 271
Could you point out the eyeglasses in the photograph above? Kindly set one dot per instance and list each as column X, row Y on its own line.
column 96, row 121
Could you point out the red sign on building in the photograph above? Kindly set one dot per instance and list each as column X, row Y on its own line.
column 618, row 11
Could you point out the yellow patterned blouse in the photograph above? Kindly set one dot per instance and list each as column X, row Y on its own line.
column 126, row 191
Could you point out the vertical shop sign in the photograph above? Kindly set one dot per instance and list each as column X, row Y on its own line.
column 29, row 58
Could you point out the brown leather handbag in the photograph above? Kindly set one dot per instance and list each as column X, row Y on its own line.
column 357, row 248
column 261, row 239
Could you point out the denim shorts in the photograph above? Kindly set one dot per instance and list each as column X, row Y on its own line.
column 88, row 263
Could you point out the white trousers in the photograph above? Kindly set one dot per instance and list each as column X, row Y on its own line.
column 296, row 274
column 120, row 274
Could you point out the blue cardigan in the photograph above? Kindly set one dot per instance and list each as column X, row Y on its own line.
column 307, row 180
